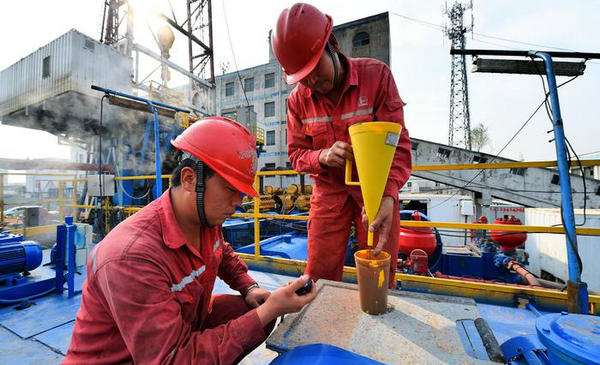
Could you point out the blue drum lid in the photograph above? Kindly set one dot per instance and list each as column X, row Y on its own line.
column 575, row 336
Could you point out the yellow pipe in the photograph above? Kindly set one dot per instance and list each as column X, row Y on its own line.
column 76, row 206
column 34, row 231
column 74, row 211
column 437, row 285
column 93, row 207
column 476, row 166
column 107, row 208
column 282, row 172
column 1, row 197
column 256, row 213
column 60, row 197
column 499, row 227
column 40, row 202
column 272, row 216
column 141, row 177
column 500, row 165
column 38, row 174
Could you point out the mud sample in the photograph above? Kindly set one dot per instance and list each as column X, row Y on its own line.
column 372, row 274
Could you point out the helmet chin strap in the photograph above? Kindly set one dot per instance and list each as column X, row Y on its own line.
column 200, row 187
column 335, row 64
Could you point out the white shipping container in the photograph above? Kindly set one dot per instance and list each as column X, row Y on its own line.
column 443, row 208
column 548, row 252
column 72, row 62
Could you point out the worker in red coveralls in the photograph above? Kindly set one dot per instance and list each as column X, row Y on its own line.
column 147, row 298
column 335, row 92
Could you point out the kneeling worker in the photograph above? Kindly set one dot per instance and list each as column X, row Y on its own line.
column 147, row 298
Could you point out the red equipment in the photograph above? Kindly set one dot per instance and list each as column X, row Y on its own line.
column 418, row 262
column 508, row 240
column 412, row 238
column 478, row 233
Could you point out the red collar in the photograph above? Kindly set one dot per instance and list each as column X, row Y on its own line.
column 172, row 234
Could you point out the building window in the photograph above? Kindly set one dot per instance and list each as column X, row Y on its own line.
column 270, row 138
column 518, row 171
column 270, row 109
column 249, row 84
column 269, row 80
column 360, row 39
column 46, row 67
column 229, row 88
column 89, row 44
column 229, row 115
column 270, row 166
column 443, row 153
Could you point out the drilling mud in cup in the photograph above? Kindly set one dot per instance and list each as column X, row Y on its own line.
column 372, row 274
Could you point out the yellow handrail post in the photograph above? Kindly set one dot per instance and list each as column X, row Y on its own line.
column 74, row 212
column 60, row 198
column 256, row 222
column 1, row 197
column 107, row 214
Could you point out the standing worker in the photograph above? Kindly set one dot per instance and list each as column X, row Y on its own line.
column 147, row 298
column 335, row 92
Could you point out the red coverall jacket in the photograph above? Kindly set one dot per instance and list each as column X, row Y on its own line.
column 314, row 123
column 148, row 292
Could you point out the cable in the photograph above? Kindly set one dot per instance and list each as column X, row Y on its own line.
column 133, row 197
column 495, row 157
column 440, row 28
column 423, row 22
column 584, row 184
column 549, row 113
column 520, row 42
column 548, row 110
column 233, row 54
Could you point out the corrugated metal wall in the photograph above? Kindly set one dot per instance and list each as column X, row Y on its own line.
column 548, row 252
column 76, row 61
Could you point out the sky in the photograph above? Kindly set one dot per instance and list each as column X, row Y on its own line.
column 420, row 61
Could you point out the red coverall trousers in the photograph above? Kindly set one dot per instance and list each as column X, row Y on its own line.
column 329, row 225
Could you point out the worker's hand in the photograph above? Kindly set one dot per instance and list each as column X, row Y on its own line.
column 256, row 296
column 285, row 300
column 336, row 155
column 382, row 222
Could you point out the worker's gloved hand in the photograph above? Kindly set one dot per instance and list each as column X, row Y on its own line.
column 257, row 296
column 285, row 300
column 336, row 155
column 382, row 222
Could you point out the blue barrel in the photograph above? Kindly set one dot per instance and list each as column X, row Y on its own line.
column 570, row 338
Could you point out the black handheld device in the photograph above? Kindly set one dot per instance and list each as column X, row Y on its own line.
column 306, row 288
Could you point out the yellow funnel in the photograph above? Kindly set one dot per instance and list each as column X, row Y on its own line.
column 373, row 145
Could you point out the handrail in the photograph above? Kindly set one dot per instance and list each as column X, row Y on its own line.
column 501, row 165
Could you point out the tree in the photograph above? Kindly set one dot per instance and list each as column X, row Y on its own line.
column 479, row 137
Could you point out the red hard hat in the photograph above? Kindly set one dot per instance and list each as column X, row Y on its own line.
column 227, row 147
column 299, row 39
